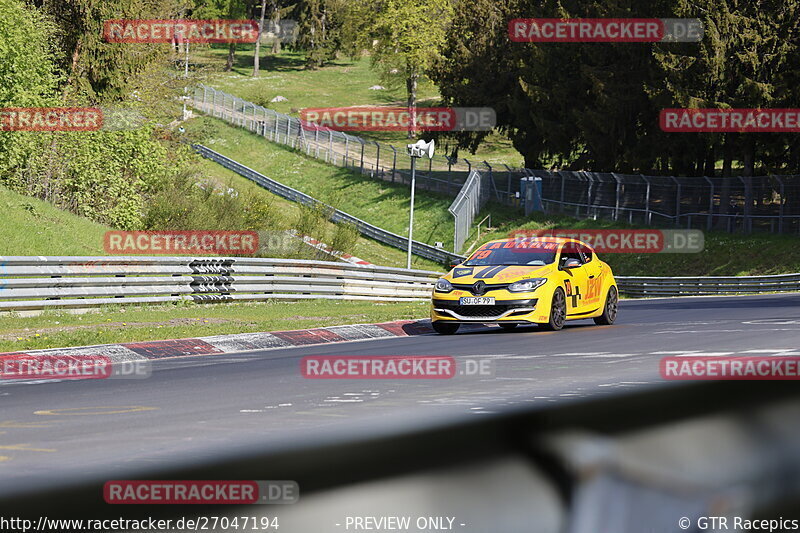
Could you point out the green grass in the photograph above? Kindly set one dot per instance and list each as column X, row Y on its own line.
column 128, row 323
column 34, row 227
column 344, row 82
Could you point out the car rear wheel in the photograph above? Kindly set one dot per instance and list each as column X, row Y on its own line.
column 558, row 311
column 508, row 327
column 609, row 310
column 445, row 328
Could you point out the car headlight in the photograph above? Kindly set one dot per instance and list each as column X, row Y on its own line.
column 527, row 285
column 442, row 285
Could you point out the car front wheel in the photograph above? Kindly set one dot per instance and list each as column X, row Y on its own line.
column 558, row 311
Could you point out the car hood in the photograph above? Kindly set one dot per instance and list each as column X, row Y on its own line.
column 497, row 274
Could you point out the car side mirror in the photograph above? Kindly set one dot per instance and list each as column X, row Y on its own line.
column 571, row 263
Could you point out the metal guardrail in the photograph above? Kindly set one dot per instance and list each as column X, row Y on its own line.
column 381, row 235
column 30, row 283
column 637, row 286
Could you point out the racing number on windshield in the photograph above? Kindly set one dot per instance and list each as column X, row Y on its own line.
column 482, row 254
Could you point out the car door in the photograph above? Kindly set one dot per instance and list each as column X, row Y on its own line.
column 577, row 279
column 592, row 299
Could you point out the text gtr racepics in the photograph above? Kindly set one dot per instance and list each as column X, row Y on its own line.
column 543, row 280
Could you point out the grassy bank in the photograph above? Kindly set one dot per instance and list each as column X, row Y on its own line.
column 35, row 227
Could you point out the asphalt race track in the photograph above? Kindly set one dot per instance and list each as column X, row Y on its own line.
column 196, row 408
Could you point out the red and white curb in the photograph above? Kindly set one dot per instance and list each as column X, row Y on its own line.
column 239, row 342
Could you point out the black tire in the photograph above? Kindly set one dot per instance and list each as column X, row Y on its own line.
column 508, row 327
column 609, row 309
column 558, row 311
column 445, row 328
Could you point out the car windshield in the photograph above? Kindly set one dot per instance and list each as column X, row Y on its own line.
column 515, row 255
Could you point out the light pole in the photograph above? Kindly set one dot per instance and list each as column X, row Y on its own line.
column 416, row 150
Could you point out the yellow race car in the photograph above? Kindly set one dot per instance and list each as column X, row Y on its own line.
column 541, row 280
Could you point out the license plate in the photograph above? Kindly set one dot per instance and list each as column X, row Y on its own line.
column 475, row 300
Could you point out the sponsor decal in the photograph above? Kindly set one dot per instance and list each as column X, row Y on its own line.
column 572, row 293
column 461, row 272
column 593, row 289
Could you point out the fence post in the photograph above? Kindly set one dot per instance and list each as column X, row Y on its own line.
column 619, row 191
column 363, row 144
column 648, row 216
column 346, row 149
column 780, row 208
column 589, row 192
column 394, row 161
column 563, row 186
column 677, row 201
column 747, row 224
column 329, row 153
column 710, row 222
column 378, row 159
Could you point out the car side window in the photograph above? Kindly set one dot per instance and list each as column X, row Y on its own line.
column 566, row 255
column 587, row 254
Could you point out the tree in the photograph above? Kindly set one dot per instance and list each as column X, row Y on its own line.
column 27, row 78
column 405, row 38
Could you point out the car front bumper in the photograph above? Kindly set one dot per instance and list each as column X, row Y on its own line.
column 502, row 311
